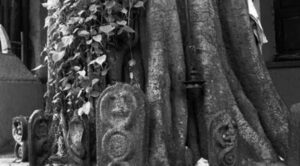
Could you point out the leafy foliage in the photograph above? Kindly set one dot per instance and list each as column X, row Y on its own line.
column 81, row 34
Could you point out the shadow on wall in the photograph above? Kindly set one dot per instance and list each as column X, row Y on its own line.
column 287, row 82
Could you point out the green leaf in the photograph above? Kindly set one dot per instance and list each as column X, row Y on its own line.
column 64, row 30
column 109, row 4
column 100, row 60
column 95, row 81
column 38, row 68
column 74, row 20
column 77, row 54
column 106, row 29
column 91, row 17
column 47, row 21
column 104, row 72
column 67, row 40
column 51, row 4
column 124, row 11
column 123, row 22
column 94, row 8
column 98, row 38
column 128, row 29
column 76, row 68
column 89, row 42
column 82, row 73
column 83, row 33
column 85, row 109
column 57, row 56
column 67, row 87
column 81, row 12
column 139, row 4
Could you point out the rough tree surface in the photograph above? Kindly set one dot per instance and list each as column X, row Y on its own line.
column 236, row 79
column 225, row 54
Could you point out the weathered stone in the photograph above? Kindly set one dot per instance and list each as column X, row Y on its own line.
column 294, row 136
column 78, row 141
column 38, row 141
column 122, row 126
column 264, row 163
column 19, row 133
column 223, row 141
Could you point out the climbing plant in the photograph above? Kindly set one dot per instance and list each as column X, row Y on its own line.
column 81, row 34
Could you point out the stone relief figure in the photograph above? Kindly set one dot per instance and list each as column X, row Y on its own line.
column 20, row 135
column 39, row 141
column 223, row 141
column 122, row 126
column 78, row 141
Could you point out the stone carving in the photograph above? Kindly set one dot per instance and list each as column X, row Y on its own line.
column 19, row 133
column 78, row 140
column 223, row 141
column 38, row 141
column 122, row 126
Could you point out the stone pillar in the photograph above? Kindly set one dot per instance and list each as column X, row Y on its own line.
column 39, row 144
column 222, row 149
column 122, row 127
column 294, row 136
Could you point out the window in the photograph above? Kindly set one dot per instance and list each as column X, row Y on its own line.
column 287, row 28
column 14, row 18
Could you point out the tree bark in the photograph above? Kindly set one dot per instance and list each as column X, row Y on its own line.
column 237, row 82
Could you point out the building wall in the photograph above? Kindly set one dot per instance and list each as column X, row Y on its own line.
column 38, row 35
column 286, row 79
column 268, row 23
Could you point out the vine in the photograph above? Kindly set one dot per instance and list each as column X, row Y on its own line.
column 81, row 34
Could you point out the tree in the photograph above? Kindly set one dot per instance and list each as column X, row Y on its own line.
column 214, row 38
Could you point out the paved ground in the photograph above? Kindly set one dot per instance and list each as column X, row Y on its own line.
column 9, row 160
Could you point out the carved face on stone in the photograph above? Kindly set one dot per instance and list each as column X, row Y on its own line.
column 17, row 131
column 224, row 130
column 76, row 133
column 119, row 107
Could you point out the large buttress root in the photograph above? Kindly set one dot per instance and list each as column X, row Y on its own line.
column 218, row 95
column 252, row 73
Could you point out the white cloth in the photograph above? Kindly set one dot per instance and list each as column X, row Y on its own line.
column 202, row 162
column 258, row 29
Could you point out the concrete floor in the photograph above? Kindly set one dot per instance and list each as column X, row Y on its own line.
column 10, row 160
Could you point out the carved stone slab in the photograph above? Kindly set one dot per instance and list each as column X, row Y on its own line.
column 19, row 129
column 122, row 127
column 38, row 138
column 78, row 141
column 19, row 133
column 223, row 141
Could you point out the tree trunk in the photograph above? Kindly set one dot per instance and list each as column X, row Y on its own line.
column 215, row 38
column 236, row 79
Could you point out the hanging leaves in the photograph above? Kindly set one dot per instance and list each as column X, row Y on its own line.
column 81, row 36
